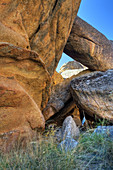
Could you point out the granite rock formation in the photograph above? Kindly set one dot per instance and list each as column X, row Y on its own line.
column 32, row 38
column 43, row 26
column 61, row 104
column 19, row 114
column 93, row 93
column 69, row 129
column 89, row 46
column 71, row 68
column 70, row 133
column 59, row 96
column 28, row 69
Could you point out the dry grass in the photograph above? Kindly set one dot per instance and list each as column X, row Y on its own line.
column 93, row 152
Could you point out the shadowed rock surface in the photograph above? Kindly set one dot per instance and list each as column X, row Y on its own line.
column 90, row 47
column 93, row 93
column 61, row 104
column 60, row 95
column 43, row 26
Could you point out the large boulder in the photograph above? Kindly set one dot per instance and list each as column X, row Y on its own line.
column 60, row 95
column 28, row 69
column 89, row 46
column 19, row 114
column 70, row 132
column 93, row 93
column 70, row 129
column 71, row 68
column 71, row 65
column 61, row 104
column 43, row 26
column 32, row 38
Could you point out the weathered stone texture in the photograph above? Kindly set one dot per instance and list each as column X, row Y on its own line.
column 19, row 114
column 43, row 26
column 56, row 79
column 93, row 93
column 33, row 34
column 59, row 96
column 28, row 69
column 69, row 129
column 61, row 104
column 89, row 46
column 71, row 65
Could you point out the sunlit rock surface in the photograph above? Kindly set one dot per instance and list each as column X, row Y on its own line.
column 71, row 68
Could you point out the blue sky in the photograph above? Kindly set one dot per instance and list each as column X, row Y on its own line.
column 99, row 14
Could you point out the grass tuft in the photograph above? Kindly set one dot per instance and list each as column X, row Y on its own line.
column 93, row 152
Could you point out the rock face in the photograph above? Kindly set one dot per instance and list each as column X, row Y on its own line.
column 56, row 79
column 60, row 95
column 28, row 69
column 70, row 132
column 32, row 38
column 69, row 129
column 71, row 68
column 24, row 90
column 93, row 93
column 19, row 114
column 89, row 46
column 43, row 26
column 61, row 103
